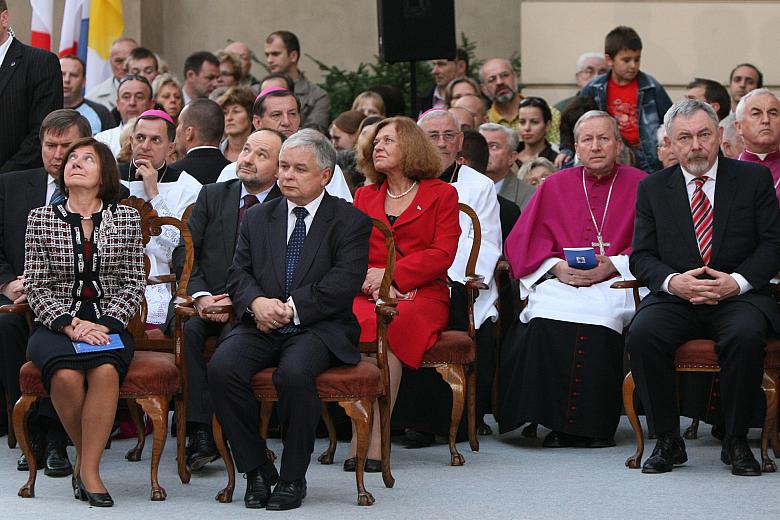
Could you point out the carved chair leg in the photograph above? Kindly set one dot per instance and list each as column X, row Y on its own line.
column 770, row 391
column 21, row 411
column 327, row 455
column 156, row 407
column 384, row 424
column 361, row 411
column 134, row 454
column 181, row 441
column 266, row 407
column 9, row 409
column 454, row 375
column 774, row 439
column 635, row 460
column 226, row 494
column 471, row 403
column 692, row 431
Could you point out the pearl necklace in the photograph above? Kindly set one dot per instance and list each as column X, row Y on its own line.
column 67, row 206
column 401, row 195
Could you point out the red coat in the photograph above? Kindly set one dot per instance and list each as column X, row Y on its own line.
column 426, row 238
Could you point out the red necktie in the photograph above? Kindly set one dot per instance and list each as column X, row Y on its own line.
column 701, row 209
column 249, row 201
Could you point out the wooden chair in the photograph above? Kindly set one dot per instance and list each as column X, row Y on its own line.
column 155, row 376
column 699, row 356
column 354, row 388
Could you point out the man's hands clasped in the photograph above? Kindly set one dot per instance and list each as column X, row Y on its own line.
column 688, row 286
column 271, row 314
column 582, row 277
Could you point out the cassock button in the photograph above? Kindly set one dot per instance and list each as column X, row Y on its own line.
column 717, row 379
column 574, row 394
column 578, row 365
column 587, row 229
column 712, row 408
column 573, row 408
column 578, row 380
column 571, row 421
column 580, row 351
column 714, row 394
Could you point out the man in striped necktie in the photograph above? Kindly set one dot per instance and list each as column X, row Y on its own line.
column 707, row 243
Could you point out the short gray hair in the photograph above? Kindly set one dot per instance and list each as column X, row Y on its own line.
column 588, row 56
column 729, row 126
column 530, row 165
column 660, row 134
column 438, row 113
column 506, row 62
column 595, row 114
column 739, row 113
column 686, row 108
column 320, row 145
column 511, row 135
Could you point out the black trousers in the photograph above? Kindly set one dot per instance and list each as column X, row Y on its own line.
column 740, row 332
column 196, row 332
column 299, row 359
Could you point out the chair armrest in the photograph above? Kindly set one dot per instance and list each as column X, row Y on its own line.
column 219, row 309
column 627, row 284
column 184, row 306
column 18, row 308
column 163, row 278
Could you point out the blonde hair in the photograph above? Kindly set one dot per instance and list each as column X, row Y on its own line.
column 420, row 159
column 368, row 95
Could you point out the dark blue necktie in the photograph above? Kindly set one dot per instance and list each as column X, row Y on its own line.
column 57, row 197
column 294, row 248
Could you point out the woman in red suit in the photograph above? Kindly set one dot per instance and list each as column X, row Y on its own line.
column 422, row 213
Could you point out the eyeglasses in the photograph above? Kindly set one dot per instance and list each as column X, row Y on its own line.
column 447, row 136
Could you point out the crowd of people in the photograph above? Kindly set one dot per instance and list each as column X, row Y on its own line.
column 682, row 196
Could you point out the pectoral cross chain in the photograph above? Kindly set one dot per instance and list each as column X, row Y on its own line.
column 600, row 244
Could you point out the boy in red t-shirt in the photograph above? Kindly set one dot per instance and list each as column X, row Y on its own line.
column 635, row 99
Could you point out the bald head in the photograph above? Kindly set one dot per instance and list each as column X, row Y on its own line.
column 464, row 117
column 244, row 54
column 473, row 104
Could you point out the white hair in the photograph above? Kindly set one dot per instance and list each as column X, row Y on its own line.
column 437, row 114
column 729, row 126
column 740, row 111
column 594, row 114
column 323, row 150
column 686, row 108
column 588, row 56
column 511, row 135
column 660, row 134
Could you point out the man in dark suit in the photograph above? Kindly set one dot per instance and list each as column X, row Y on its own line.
column 30, row 88
column 444, row 70
column 299, row 262
column 214, row 223
column 200, row 128
column 19, row 193
column 706, row 242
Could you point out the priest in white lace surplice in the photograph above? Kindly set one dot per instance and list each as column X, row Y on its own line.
column 170, row 191
column 561, row 364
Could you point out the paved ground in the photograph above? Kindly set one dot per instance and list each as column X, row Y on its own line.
column 510, row 477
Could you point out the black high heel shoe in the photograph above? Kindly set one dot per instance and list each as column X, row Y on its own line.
column 95, row 499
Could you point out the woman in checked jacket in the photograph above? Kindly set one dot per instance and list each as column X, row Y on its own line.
column 84, row 278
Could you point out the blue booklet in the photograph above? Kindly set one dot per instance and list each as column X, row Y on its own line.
column 581, row 257
column 115, row 343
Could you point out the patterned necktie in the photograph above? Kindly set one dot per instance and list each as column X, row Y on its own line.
column 294, row 248
column 249, row 201
column 56, row 197
column 702, row 219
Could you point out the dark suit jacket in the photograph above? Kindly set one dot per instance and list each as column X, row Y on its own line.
column 213, row 224
column 205, row 164
column 20, row 192
column 329, row 274
column 746, row 232
column 30, row 88
column 508, row 212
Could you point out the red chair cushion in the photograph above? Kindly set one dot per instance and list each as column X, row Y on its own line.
column 454, row 347
column 700, row 353
column 150, row 373
column 156, row 334
column 361, row 380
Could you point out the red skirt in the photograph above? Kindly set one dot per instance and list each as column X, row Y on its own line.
column 414, row 330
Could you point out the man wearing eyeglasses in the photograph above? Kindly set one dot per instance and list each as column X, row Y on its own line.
column 478, row 192
column 589, row 65
column 499, row 84
column 134, row 96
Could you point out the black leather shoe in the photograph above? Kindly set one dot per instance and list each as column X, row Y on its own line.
column 287, row 495
column 557, row 439
column 414, row 439
column 202, row 449
column 372, row 465
column 258, row 485
column 57, row 463
column 669, row 451
column 718, row 431
column 736, row 452
column 601, row 442
column 38, row 451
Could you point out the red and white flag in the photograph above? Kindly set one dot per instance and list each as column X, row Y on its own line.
column 42, row 23
column 75, row 28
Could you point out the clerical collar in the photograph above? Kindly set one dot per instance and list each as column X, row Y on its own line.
column 607, row 177
column 763, row 156
column 161, row 172
column 450, row 175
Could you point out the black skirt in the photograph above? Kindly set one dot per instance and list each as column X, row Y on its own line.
column 564, row 376
column 51, row 351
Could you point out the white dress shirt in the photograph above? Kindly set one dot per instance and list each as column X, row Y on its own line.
column 4, row 48
column 51, row 184
column 709, row 191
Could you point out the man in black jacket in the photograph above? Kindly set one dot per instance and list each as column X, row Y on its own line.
column 707, row 243
column 214, row 223
column 30, row 88
column 200, row 129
